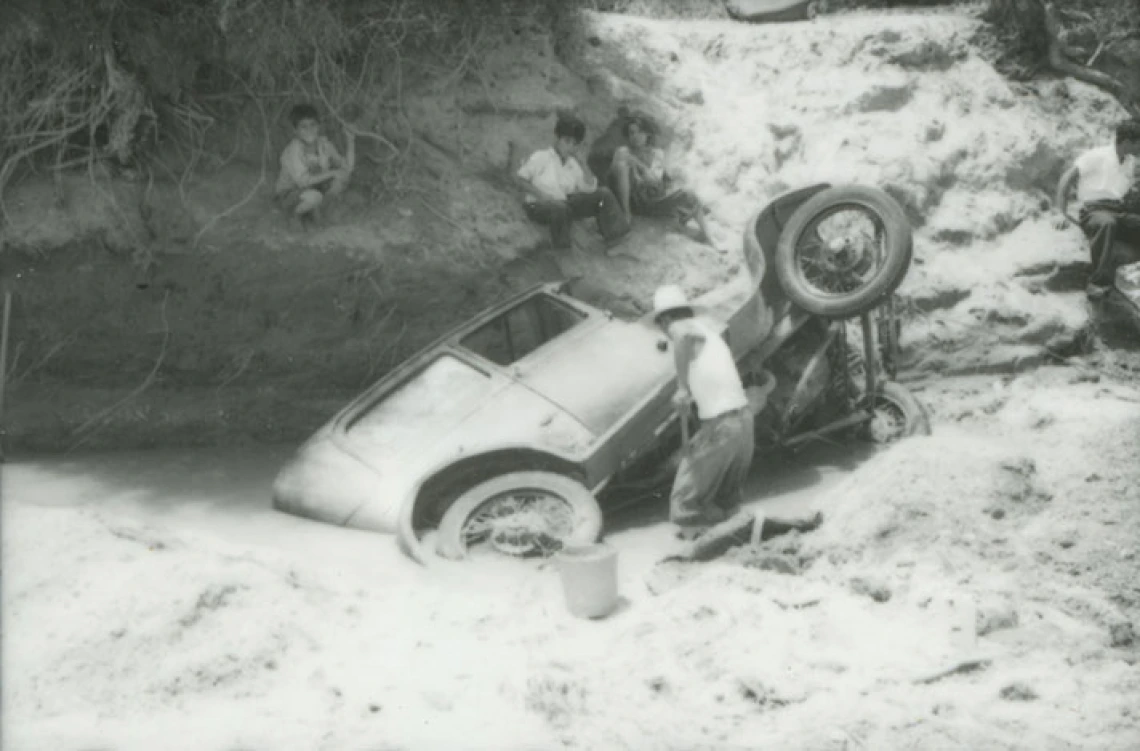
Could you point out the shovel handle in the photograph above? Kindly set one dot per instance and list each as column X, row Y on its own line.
column 683, row 416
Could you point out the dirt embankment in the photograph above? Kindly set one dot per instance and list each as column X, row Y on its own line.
column 243, row 329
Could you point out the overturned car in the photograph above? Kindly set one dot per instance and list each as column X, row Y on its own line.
column 502, row 434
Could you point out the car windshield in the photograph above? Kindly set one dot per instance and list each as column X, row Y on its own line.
column 516, row 333
column 425, row 404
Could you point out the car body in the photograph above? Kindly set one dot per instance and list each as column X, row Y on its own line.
column 774, row 11
column 542, row 381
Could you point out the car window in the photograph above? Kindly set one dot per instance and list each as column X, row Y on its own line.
column 428, row 398
column 491, row 341
column 521, row 330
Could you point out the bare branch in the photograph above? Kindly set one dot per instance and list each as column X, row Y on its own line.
column 260, row 178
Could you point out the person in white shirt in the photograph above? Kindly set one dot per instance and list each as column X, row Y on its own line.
column 1110, row 205
column 559, row 191
column 708, row 487
column 311, row 167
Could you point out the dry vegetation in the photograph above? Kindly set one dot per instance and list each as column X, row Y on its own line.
column 146, row 83
column 121, row 79
column 1086, row 39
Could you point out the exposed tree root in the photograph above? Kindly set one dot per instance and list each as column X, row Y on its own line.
column 1061, row 61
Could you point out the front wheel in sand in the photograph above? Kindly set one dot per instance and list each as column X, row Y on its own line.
column 523, row 514
column 896, row 414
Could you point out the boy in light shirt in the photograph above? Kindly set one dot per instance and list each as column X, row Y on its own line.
column 1110, row 209
column 311, row 167
column 558, row 190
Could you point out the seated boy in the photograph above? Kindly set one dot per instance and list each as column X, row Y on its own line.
column 638, row 176
column 1110, row 202
column 558, row 190
column 311, row 167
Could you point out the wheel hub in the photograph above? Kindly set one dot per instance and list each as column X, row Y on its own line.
column 887, row 422
column 846, row 255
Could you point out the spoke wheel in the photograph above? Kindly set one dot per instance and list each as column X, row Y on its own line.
column 843, row 250
column 896, row 414
column 522, row 514
column 520, row 522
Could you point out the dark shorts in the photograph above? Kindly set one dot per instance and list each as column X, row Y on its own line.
column 289, row 199
column 675, row 202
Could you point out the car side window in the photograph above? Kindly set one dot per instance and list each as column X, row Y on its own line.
column 490, row 341
column 525, row 327
column 522, row 329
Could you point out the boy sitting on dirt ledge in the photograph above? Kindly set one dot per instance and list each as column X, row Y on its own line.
column 311, row 167
column 637, row 174
column 558, row 191
column 1110, row 203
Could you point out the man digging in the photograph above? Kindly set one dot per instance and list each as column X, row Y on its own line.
column 708, row 488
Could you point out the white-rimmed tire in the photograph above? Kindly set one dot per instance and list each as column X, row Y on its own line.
column 522, row 514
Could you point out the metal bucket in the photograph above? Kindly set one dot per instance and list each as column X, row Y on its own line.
column 589, row 579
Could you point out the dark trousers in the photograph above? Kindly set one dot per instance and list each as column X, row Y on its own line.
column 709, row 486
column 1105, row 223
column 600, row 204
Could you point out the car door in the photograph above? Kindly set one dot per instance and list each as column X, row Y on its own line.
column 601, row 376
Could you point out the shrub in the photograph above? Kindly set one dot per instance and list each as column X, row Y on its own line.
column 80, row 80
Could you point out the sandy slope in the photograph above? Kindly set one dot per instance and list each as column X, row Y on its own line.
column 130, row 624
column 904, row 102
column 132, row 620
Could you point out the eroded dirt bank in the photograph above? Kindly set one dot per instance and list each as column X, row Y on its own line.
column 244, row 330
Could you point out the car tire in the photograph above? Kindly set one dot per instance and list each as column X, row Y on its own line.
column 568, row 514
column 890, row 264
column 897, row 414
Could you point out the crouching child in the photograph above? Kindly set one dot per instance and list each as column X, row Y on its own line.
column 311, row 166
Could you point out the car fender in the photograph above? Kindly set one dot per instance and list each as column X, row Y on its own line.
column 406, row 539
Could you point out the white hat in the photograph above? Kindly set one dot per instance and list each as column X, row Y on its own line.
column 669, row 297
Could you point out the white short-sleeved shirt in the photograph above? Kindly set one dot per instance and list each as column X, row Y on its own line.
column 1102, row 176
column 553, row 177
column 714, row 380
column 297, row 161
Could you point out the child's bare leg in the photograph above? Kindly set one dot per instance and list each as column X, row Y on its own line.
column 309, row 202
column 702, row 224
column 338, row 184
column 620, row 169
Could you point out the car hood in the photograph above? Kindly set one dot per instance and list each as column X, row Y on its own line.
column 360, row 468
column 447, row 411
column 451, row 406
column 600, row 376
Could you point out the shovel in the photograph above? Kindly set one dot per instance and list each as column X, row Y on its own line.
column 683, row 416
